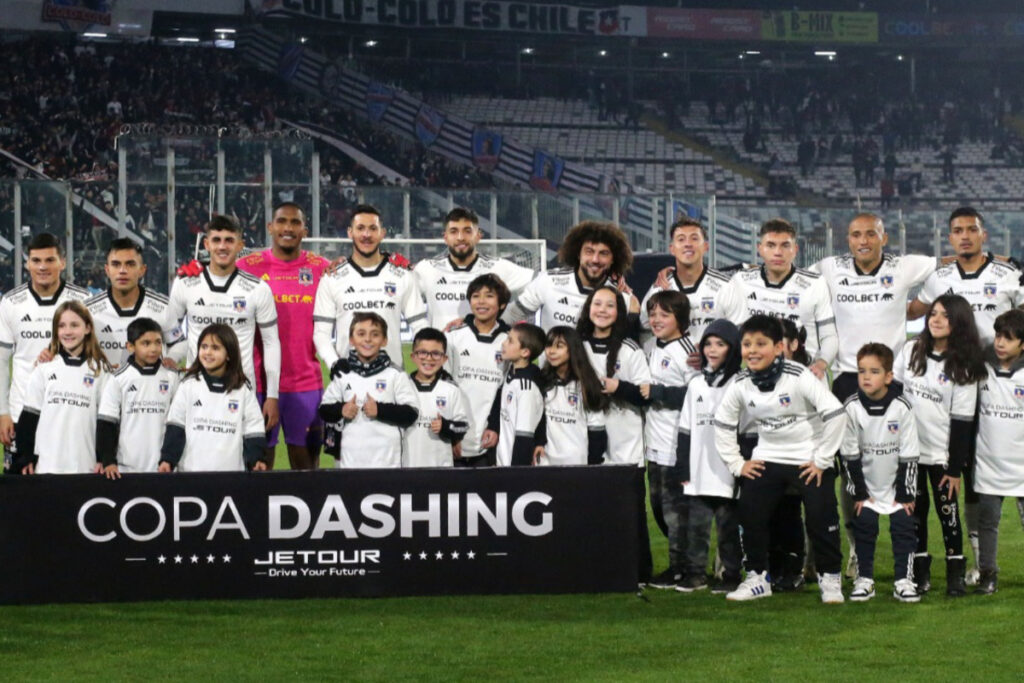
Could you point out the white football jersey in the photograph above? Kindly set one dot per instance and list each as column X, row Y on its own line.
column 474, row 361
column 444, row 284
column 569, row 425
column 871, row 307
column 367, row 442
column 802, row 297
column 703, row 298
column 991, row 290
column 709, row 475
column 26, row 322
column 217, row 424
column 936, row 400
column 137, row 399
column 388, row 290
column 242, row 301
column 111, row 323
column 999, row 469
column 558, row 295
column 625, row 421
column 668, row 368
column 65, row 393
column 520, row 411
column 882, row 436
column 424, row 448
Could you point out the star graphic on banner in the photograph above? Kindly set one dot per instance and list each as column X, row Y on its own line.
column 177, row 559
column 455, row 554
column 162, row 559
column 195, row 559
column 227, row 559
column 471, row 555
column 210, row 559
column 439, row 555
column 423, row 556
column 407, row 556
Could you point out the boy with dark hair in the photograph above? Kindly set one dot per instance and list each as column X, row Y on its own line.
column 370, row 402
column 518, row 407
column 133, row 409
column 443, row 418
column 999, row 468
column 880, row 452
column 782, row 397
column 476, row 364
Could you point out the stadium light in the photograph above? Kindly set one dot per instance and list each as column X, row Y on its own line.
column 370, row 43
column 527, row 50
column 184, row 39
column 899, row 58
column 602, row 53
column 303, row 39
column 94, row 35
column 824, row 53
column 752, row 52
column 225, row 30
column 665, row 55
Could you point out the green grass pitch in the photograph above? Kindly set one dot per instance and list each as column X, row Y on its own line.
column 659, row 636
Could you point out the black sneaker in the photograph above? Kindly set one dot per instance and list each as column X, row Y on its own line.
column 694, row 582
column 727, row 584
column 667, row 580
column 986, row 583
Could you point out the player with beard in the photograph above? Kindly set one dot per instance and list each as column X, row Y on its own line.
column 293, row 275
column 369, row 281
column 443, row 280
column 595, row 254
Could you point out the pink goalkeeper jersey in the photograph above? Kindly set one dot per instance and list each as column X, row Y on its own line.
column 294, row 286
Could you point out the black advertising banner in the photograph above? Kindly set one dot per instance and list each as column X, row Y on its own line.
column 78, row 538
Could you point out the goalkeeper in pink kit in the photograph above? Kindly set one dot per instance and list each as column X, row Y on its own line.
column 293, row 275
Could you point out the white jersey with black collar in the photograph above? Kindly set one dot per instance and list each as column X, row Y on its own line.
column 389, row 290
column 569, row 424
column 625, row 422
column 137, row 399
column 241, row 301
column 999, row 469
column 444, row 284
column 111, row 322
column 26, row 322
column 871, row 306
column 558, row 295
column 802, row 296
column 474, row 361
column 881, row 435
column 423, row 448
column 670, row 374
column 703, row 298
column 991, row 290
column 709, row 475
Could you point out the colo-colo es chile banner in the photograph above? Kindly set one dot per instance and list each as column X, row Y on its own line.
column 69, row 538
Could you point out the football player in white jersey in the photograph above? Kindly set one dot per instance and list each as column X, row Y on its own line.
column 224, row 294
column 443, row 279
column 779, row 289
column 26, row 314
column 595, row 254
column 370, row 281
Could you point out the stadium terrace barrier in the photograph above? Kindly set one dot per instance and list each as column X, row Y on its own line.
column 359, row 533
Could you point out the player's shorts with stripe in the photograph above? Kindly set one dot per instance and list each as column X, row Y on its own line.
column 299, row 416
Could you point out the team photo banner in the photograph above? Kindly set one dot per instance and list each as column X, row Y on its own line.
column 482, row 15
column 82, row 538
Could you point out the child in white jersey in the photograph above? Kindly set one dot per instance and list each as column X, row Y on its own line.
column 64, row 396
column 214, row 423
column 518, row 408
column 574, row 404
column 443, row 416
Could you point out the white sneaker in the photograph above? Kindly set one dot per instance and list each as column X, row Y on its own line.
column 831, row 588
column 904, row 591
column 863, row 589
column 972, row 577
column 755, row 586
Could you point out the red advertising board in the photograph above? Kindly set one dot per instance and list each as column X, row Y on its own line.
column 703, row 24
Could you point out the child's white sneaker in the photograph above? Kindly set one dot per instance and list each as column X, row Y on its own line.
column 753, row 587
column 905, row 591
column 863, row 589
column 831, row 588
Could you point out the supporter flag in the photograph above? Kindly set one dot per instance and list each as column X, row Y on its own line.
column 428, row 124
column 291, row 57
column 486, row 148
column 547, row 171
column 378, row 99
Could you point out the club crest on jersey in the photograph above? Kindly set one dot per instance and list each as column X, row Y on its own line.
column 618, row 365
column 441, row 401
column 238, row 305
column 665, row 362
column 707, row 305
column 943, row 378
column 573, row 399
column 990, row 291
column 305, row 276
column 508, row 397
column 885, row 281
column 164, row 387
column 793, row 300
column 390, row 288
column 88, row 381
column 894, row 427
column 381, row 385
column 784, row 400
column 232, row 406
column 1018, row 393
